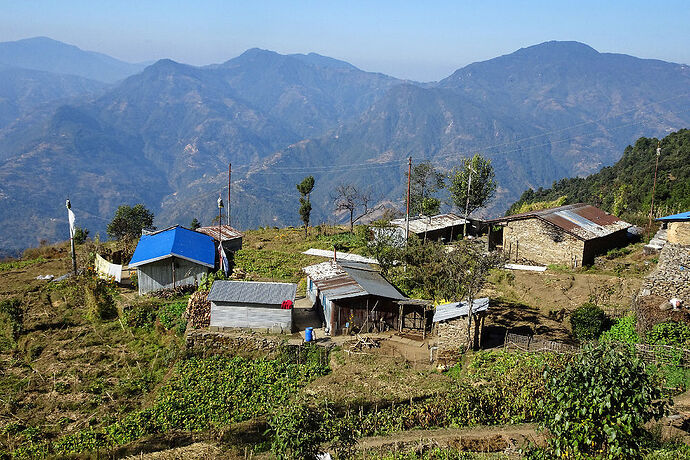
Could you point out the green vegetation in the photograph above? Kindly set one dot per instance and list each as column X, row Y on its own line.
column 622, row 331
column 671, row 333
column 475, row 176
column 611, row 190
column 129, row 221
column 599, row 404
column 17, row 264
column 539, row 205
column 588, row 322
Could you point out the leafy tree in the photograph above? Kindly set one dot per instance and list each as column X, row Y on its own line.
column 386, row 245
column 599, row 404
column 482, row 187
column 195, row 224
column 588, row 322
column 425, row 182
column 80, row 235
column 129, row 221
column 350, row 199
column 304, row 188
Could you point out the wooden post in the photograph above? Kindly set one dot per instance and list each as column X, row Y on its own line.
column 400, row 317
column 424, row 324
column 407, row 218
column 173, row 271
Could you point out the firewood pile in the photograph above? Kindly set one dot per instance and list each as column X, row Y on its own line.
column 198, row 311
column 364, row 343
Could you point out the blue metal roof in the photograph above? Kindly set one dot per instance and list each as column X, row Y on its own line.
column 683, row 216
column 175, row 242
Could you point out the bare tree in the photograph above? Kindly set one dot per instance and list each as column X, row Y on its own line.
column 357, row 202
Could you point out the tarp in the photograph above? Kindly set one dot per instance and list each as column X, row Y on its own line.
column 107, row 270
column 175, row 242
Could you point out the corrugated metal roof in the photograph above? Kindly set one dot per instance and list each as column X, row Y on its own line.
column 344, row 279
column 423, row 224
column 252, row 292
column 226, row 231
column 178, row 242
column 340, row 256
column 458, row 309
column 581, row 220
column 682, row 217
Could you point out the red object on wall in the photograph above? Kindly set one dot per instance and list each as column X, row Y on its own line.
column 286, row 305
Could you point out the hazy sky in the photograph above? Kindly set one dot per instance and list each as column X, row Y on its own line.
column 421, row 40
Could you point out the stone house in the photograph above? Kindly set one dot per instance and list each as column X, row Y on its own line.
column 571, row 235
column 442, row 227
column 451, row 323
column 677, row 228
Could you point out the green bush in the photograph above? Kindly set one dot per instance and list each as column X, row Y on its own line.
column 622, row 331
column 671, row 333
column 599, row 404
column 98, row 300
column 170, row 316
column 13, row 313
column 588, row 322
column 141, row 314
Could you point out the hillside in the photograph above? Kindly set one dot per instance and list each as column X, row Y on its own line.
column 45, row 54
column 625, row 189
column 545, row 112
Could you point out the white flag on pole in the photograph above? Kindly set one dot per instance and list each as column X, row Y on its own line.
column 70, row 214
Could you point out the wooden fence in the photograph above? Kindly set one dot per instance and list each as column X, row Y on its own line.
column 650, row 354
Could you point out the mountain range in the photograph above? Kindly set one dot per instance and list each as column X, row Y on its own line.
column 165, row 134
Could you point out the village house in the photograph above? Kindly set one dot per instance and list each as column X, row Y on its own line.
column 252, row 305
column 451, row 323
column 441, row 227
column 353, row 297
column 571, row 235
column 231, row 237
column 172, row 258
column 677, row 228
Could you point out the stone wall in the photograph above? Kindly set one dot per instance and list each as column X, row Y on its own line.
column 678, row 233
column 208, row 342
column 452, row 334
column 533, row 241
column 671, row 278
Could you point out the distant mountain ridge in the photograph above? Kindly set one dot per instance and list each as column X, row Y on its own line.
column 46, row 54
column 164, row 136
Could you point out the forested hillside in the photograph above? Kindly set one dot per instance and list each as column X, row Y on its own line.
column 625, row 189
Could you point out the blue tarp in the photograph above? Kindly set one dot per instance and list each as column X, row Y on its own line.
column 177, row 242
column 683, row 216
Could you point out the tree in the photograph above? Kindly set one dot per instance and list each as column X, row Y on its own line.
column 481, row 189
column 425, row 182
column 304, row 188
column 349, row 198
column 80, row 235
column 129, row 221
column 195, row 224
column 599, row 404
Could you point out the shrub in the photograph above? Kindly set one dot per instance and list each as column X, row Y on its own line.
column 588, row 322
column 80, row 235
column 12, row 310
column 671, row 333
column 142, row 314
column 599, row 404
column 170, row 316
column 98, row 300
column 622, row 331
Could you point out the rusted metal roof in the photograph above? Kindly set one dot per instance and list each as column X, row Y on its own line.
column 423, row 224
column 340, row 280
column 226, row 231
column 583, row 221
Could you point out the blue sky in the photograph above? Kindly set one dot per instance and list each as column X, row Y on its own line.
column 421, row 40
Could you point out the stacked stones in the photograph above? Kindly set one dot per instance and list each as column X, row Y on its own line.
column 231, row 343
column 198, row 311
column 671, row 278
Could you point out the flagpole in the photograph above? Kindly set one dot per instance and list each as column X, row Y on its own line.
column 70, row 218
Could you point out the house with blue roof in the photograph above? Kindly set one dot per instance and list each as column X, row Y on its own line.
column 172, row 258
column 677, row 228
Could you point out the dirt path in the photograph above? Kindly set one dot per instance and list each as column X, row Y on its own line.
column 477, row 439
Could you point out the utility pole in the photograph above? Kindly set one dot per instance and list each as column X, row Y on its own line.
column 220, row 221
column 656, row 167
column 229, row 206
column 70, row 216
column 407, row 214
column 467, row 206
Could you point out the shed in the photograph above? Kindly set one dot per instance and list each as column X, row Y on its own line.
column 441, row 227
column 172, row 258
column 677, row 228
column 572, row 235
column 231, row 237
column 252, row 305
column 353, row 296
column 451, row 322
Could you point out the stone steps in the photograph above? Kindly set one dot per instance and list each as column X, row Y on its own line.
column 658, row 242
